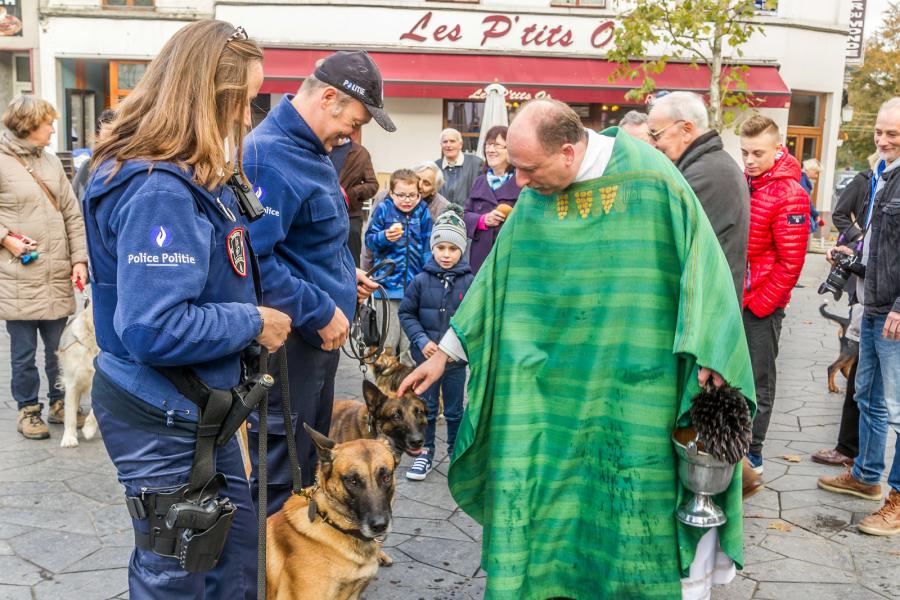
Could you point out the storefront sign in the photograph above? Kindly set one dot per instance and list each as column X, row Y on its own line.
column 855, row 39
column 511, row 95
column 528, row 32
column 10, row 18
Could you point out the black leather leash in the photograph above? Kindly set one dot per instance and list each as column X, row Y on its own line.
column 362, row 329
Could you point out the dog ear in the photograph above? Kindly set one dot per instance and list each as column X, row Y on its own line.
column 323, row 444
column 373, row 396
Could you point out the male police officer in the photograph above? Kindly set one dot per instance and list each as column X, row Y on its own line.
column 307, row 269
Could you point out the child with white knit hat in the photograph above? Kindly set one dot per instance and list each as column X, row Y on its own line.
column 430, row 300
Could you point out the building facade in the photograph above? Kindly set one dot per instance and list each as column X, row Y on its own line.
column 18, row 48
column 438, row 56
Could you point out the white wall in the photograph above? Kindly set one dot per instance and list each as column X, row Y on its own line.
column 417, row 139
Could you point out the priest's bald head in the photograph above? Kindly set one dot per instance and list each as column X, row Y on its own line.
column 546, row 144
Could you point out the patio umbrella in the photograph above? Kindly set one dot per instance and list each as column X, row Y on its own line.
column 494, row 113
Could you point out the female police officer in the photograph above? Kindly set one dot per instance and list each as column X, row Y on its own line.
column 173, row 287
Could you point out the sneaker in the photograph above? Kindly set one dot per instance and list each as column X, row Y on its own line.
column 887, row 520
column 847, row 484
column 57, row 414
column 31, row 425
column 420, row 468
column 756, row 463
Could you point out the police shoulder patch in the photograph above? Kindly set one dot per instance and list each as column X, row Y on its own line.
column 796, row 219
column 237, row 252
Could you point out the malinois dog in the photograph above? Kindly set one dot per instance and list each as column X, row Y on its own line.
column 849, row 350
column 399, row 418
column 326, row 543
column 389, row 371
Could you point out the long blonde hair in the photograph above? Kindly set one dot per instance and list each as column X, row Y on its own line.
column 191, row 98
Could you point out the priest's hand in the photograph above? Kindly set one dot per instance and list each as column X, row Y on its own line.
column 704, row 374
column 425, row 374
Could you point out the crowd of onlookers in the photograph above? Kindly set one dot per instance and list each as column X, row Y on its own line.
column 437, row 222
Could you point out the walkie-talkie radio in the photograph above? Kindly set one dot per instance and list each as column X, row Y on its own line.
column 247, row 202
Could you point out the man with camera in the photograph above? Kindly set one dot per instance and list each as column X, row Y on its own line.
column 878, row 370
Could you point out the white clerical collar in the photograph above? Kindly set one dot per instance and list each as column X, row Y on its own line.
column 460, row 158
column 596, row 156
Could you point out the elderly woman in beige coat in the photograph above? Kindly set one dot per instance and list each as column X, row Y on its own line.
column 38, row 212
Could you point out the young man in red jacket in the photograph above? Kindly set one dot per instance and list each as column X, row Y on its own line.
column 779, row 228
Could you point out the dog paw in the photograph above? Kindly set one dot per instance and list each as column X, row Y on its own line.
column 69, row 441
column 384, row 560
column 90, row 426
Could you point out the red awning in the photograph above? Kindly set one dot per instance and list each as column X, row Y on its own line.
column 458, row 76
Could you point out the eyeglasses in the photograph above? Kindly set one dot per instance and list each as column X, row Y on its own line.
column 239, row 34
column 655, row 135
column 405, row 196
column 494, row 145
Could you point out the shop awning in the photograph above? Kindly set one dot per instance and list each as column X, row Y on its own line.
column 461, row 76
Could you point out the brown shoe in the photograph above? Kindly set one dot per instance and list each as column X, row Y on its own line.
column 57, row 414
column 832, row 457
column 752, row 482
column 847, row 484
column 31, row 425
column 887, row 520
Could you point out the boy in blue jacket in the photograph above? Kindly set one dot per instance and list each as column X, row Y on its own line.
column 399, row 230
column 425, row 312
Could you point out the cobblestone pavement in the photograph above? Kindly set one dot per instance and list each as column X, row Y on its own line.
column 64, row 532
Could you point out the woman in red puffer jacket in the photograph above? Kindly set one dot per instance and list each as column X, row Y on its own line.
column 779, row 228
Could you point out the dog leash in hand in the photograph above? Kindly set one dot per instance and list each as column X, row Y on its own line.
column 358, row 339
column 262, row 481
column 262, row 475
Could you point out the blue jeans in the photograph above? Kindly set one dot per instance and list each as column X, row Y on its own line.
column 158, row 462
column 453, row 384
column 26, row 381
column 878, row 396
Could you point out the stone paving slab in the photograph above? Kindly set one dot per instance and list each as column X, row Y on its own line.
column 64, row 532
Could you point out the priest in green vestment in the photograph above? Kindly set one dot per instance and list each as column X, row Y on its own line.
column 604, row 304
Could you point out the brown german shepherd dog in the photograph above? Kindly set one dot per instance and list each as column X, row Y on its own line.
column 389, row 371
column 849, row 351
column 399, row 418
column 326, row 543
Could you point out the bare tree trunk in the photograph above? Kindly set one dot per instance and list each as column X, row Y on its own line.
column 715, row 78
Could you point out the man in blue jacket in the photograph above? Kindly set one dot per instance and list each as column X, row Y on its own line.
column 307, row 269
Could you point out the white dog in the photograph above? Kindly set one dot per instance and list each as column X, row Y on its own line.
column 77, row 349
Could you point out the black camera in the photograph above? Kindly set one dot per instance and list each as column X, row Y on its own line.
column 247, row 202
column 844, row 266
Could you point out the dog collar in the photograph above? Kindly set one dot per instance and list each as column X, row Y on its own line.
column 314, row 511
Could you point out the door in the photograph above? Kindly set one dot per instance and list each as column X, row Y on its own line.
column 79, row 131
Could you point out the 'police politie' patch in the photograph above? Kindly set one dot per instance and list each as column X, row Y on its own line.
column 237, row 252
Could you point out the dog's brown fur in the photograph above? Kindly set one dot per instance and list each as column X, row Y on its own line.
column 389, row 371
column 355, row 484
column 849, row 351
column 402, row 419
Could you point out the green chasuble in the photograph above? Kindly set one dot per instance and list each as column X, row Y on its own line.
column 583, row 330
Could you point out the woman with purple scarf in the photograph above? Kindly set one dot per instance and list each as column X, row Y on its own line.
column 496, row 186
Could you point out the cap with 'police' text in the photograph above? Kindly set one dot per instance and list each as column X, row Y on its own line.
column 357, row 75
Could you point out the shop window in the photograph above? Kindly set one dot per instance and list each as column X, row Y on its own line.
column 23, row 68
column 123, row 77
column 580, row 3
column 465, row 116
column 806, row 110
column 128, row 3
